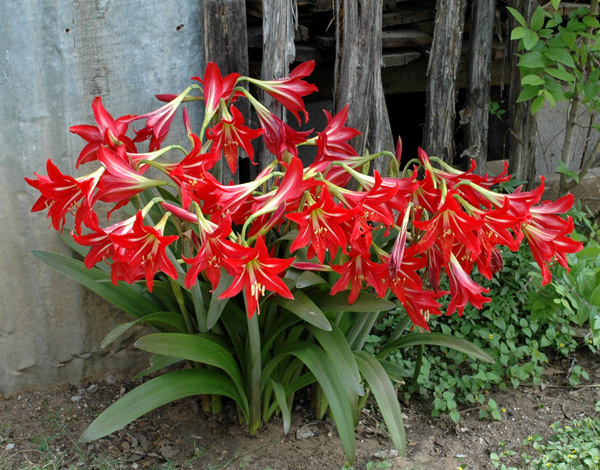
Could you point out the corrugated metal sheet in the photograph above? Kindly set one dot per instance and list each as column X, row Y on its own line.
column 56, row 56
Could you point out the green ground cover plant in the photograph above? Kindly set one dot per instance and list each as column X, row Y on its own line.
column 572, row 446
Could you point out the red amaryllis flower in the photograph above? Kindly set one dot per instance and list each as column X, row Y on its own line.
column 278, row 136
column 288, row 191
column 320, row 227
column 547, row 233
column 463, row 289
column 449, row 225
column 230, row 134
column 420, row 304
column 158, row 122
column 99, row 239
column 213, row 247
column 216, row 88
column 141, row 252
column 110, row 132
column 375, row 203
column 255, row 273
column 358, row 269
column 235, row 199
column 290, row 90
column 332, row 143
column 192, row 174
column 120, row 181
column 62, row 193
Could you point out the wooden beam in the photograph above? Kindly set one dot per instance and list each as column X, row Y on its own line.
column 478, row 82
column 405, row 14
column 225, row 42
column 442, row 78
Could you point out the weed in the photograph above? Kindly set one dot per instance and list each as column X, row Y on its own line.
column 572, row 446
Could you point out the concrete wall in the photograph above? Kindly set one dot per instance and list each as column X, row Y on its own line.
column 56, row 56
column 551, row 123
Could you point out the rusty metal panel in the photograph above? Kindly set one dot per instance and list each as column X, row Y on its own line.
column 55, row 57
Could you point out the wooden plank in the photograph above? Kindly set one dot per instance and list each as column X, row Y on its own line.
column 478, row 82
column 442, row 76
column 410, row 78
column 405, row 14
column 306, row 52
column 224, row 39
column 254, row 7
column 399, row 58
column 404, row 38
column 358, row 74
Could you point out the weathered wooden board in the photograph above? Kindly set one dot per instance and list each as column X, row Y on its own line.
column 404, row 38
column 306, row 52
column 399, row 58
column 478, row 82
column 255, row 8
column 442, row 75
column 409, row 78
column 406, row 14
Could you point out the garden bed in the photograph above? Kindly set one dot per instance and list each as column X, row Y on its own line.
column 40, row 430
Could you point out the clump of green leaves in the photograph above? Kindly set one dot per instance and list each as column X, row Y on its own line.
column 560, row 61
column 573, row 446
column 558, row 51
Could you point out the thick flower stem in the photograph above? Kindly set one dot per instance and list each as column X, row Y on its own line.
column 418, row 364
column 187, row 318
column 254, row 374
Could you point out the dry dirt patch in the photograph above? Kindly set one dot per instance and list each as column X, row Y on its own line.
column 40, row 430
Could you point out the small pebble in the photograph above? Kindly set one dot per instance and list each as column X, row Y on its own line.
column 10, row 446
column 386, row 454
column 76, row 398
column 304, row 432
column 110, row 379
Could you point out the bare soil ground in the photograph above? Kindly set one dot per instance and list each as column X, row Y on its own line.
column 40, row 430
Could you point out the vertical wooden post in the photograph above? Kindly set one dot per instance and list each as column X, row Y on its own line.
column 478, row 81
column 358, row 73
column 278, row 53
column 225, row 42
column 442, row 74
column 521, row 122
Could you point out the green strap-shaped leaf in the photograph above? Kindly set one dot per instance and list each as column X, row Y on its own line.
column 280, row 396
column 303, row 381
column 305, row 308
column 339, row 302
column 394, row 371
column 202, row 348
column 168, row 320
column 308, row 278
column 438, row 339
column 217, row 305
column 333, row 388
column 385, row 394
column 123, row 296
column 157, row 362
column 157, row 392
column 337, row 348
